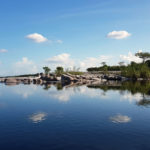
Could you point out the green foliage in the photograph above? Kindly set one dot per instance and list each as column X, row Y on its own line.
column 74, row 71
column 133, row 70
column 136, row 71
column 104, row 68
column 103, row 63
column 121, row 63
column 59, row 71
column 46, row 70
column 142, row 87
column 143, row 55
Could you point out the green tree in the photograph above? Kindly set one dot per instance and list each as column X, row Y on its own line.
column 59, row 70
column 103, row 63
column 143, row 55
column 121, row 63
column 46, row 70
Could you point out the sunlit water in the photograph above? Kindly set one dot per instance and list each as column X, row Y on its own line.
column 77, row 118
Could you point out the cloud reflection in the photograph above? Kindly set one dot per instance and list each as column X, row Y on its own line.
column 38, row 117
column 66, row 94
column 132, row 97
column 25, row 90
column 120, row 119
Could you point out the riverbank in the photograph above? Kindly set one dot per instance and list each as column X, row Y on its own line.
column 64, row 78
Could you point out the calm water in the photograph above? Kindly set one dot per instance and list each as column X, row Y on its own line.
column 77, row 118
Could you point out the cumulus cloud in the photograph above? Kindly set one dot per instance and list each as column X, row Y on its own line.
column 118, row 35
column 63, row 60
column 3, row 50
column 36, row 37
column 132, row 97
column 93, row 61
column 130, row 57
column 25, row 90
column 66, row 61
column 25, row 66
column 120, row 119
column 65, row 94
column 39, row 38
column 38, row 117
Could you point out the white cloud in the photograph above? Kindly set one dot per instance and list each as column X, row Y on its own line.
column 118, row 35
column 63, row 60
column 120, row 119
column 36, row 37
column 66, row 61
column 130, row 57
column 93, row 61
column 39, row 38
column 59, row 41
column 38, row 117
column 3, row 50
column 25, row 66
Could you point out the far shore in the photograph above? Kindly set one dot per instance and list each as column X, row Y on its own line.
column 67, row 78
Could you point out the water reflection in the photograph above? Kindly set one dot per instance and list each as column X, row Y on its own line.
column 131, row 97
column 138, row 92
column 25, row 90
column 132, row 91
column 38, row 117
column 144, row 102
column 120, row 119
column 85, row 115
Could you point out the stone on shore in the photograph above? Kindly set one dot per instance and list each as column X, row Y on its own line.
column 11, row 80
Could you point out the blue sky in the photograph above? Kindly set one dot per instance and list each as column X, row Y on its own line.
column 80, row 33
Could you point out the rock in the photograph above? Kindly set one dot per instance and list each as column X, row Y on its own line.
column 11, row 80
column 2, row 80
column 96, row 79
column 66, row 78
column 103, row 80
column 39, row 81
column 34, row 81
column 11, row 84
column 58, row 78
column 26, row 81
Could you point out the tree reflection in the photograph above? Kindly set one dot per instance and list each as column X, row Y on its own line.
column 133, row 87
column 144, row 101
column 47, row 86
column 59, row 86
column 142, row 87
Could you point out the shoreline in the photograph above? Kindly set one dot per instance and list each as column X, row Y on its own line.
column 66, row 79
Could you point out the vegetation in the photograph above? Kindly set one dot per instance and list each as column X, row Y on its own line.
column 46, row 70
column 106, row 68
column 74, row 71
column 142, row 87
column 136, row 71
column 24, row 75
column 144, row 56
column 59, row 71
column 132, row 70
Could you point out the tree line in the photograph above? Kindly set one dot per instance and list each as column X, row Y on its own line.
column 133, row 70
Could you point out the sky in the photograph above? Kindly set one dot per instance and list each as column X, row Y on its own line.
column 71, row 33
